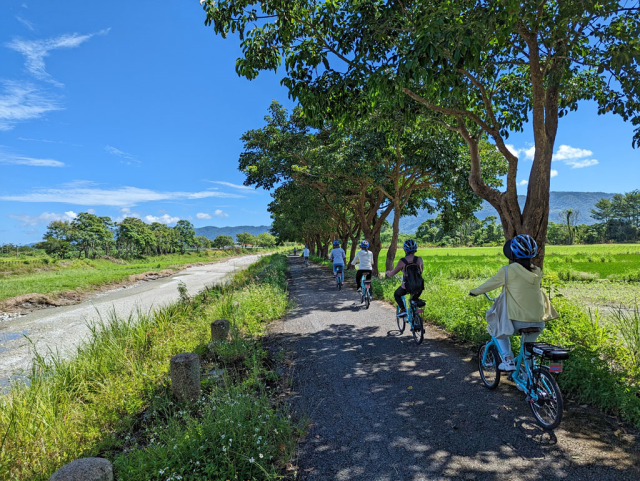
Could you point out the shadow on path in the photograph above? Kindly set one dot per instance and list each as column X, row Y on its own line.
column 385, row 408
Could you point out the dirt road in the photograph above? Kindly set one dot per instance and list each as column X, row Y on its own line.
column 384, row 408
column 63, row 328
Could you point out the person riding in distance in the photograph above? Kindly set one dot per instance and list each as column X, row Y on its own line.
column 337, row 256
column 527, row 304
column 410, row 247
column 365, row 258
column 305, row 252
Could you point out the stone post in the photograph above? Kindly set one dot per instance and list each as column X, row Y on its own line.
column 219, row 329
column 85, row 469
column 185, row 376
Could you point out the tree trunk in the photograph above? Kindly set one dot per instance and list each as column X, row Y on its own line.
column 393, row 248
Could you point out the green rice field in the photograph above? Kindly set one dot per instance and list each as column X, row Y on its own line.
column 600, row 276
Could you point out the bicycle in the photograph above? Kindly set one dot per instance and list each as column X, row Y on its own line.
column 339, row 275
column 533, row 377
column 413, row 317
column 365, row 294
column 306, row 262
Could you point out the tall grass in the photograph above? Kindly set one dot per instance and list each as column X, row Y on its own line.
column 89, row 403
column 61, row 275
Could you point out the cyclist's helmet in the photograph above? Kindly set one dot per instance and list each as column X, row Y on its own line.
column 410, row 246
column 364, row 244
column 336, row 243
column 524, row 246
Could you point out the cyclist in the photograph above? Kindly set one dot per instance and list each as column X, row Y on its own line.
column 413, row 263
column 295, row 251
column 527, row 304
column 305, row 253
column 365, row 258
column 337, row 256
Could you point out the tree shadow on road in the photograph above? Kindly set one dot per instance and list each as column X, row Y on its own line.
column 383, row 407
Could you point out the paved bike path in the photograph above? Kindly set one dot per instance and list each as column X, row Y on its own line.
column 384, row 408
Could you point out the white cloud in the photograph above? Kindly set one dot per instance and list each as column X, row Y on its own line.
column 163, row 219
column 554, row 173
column 117, row 197
column 25, row 22
column 14, row 159
column 125, row 210
column 566, row 152
column 530, row 152
column 35, row 51
column 219, row 213
column 22, row 101
column 234, row 186
column 579, row 164
column 120, row 153
column 523, row 182
column 511, row 148
column 202, row 215
column 44, row 218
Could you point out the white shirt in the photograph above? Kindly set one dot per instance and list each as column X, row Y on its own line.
column 305, row 252
column 365, row 258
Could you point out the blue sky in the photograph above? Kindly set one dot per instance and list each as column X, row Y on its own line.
column 134, row 108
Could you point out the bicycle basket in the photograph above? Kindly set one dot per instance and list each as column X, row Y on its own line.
column 546, row 351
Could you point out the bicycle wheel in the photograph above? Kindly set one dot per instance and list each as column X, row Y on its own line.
column 489, row 368
column 549, row 406
column 418, row 329
column 367, row 300
column 401, row 323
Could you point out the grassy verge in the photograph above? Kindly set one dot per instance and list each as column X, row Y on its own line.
column 56, row 276
column 604, row 368
column 112, row 398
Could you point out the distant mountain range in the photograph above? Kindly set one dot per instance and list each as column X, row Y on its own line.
column 559, row 201
column 211, row 232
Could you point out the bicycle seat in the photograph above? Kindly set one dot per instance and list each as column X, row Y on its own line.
column 526, row 330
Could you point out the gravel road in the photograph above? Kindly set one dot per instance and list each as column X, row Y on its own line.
column 384, row 408
column 63, row 328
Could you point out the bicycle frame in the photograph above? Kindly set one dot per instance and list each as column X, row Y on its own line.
column 519, row 360
column 364, row 286
column 339, row 273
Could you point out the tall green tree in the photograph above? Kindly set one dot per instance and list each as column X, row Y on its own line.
column 185, row 234
column 481, row 68
column 222, row 241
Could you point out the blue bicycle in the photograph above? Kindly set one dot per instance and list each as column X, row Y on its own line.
column 413, row 318
column 531, row 376
column 339, row 276
column 365, row 288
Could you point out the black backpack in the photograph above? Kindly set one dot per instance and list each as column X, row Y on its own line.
column 413, row 281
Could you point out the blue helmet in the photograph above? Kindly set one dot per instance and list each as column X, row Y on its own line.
column 524, row 246
column 364, row 244
column 336, row 243
column 410, row 246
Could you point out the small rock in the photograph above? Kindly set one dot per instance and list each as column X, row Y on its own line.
column 85, row 469
column 220, row 329
column 185, row 376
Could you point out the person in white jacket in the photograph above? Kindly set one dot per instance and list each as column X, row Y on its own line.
column 365, row 258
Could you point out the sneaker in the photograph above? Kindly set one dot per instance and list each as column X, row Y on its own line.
column 359, row 289
column 402, row 313
column 507, row 366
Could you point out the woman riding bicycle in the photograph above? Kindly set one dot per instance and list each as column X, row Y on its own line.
column 337, row 256
column 365, row 258
column 410, row 259
column 526, row 303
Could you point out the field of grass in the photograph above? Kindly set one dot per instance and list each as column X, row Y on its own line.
column 597, row 276
column 113, row 398
column 50, row 276
column 617, row 262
